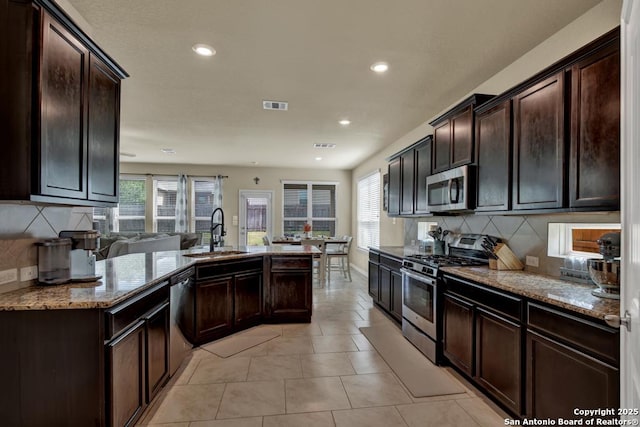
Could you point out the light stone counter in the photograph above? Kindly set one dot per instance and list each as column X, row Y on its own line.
column 126, row 276
column 571, row 296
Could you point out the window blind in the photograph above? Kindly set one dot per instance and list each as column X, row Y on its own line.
column 369, row 210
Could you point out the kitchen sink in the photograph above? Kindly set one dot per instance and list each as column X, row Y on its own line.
column 214, row 254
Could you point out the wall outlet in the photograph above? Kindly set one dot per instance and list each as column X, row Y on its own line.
column 28, row 273
column 532, row 261
column 7, row 276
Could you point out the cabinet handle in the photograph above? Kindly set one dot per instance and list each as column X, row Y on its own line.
column 615, row 321
column 451, row 185
column 156, row 310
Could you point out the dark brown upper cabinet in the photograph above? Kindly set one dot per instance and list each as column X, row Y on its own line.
column 61, row 108
column 453, row 142
column 408, row 171
column 104, row 128
column 394, row 187
column 552, row 143
column 493, row 152
column 594, row 174
column 423, row 170
column 538, row 145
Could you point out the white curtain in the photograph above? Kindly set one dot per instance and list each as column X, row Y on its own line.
column 217, row 191
column 182, row 221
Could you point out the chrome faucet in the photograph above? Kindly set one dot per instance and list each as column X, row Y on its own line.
column 214, row 226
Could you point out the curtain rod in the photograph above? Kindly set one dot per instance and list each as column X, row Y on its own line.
column 199, row 176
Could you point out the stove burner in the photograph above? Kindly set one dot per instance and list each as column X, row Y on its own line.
column 444, row 260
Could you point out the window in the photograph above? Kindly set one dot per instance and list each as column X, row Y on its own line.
column 130, row 214
column 313, row 203
column 577, row 239
column 165, row 190
column 369, row 210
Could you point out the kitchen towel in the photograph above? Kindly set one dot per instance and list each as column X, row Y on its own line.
column 421, row 377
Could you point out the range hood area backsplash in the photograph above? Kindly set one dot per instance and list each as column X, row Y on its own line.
column 525, row 234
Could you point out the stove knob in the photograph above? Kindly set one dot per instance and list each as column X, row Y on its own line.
column 425, row 270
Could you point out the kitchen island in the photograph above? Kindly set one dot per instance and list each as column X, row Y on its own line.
column 98, row 353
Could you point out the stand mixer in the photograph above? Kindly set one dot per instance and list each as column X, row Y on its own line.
column 605, row 272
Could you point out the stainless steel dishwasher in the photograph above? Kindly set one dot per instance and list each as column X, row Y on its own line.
column 179, row 346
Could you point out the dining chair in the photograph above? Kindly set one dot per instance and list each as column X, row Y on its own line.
column 341, row 253
column 318, row 259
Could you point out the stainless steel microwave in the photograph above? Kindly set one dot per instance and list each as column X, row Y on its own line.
column 451, row 190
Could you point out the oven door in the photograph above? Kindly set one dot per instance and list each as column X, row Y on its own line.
column 419, row 301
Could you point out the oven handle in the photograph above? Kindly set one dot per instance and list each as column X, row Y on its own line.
column 419, row 277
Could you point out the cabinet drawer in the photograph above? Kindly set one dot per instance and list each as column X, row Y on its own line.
column 120, row 317
column 595, row 339
column 392, row 263
column 374, row 256
column 228, row 267
column 290, row 263
column 507, row 305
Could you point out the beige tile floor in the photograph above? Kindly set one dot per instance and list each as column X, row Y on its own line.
column 324, row 373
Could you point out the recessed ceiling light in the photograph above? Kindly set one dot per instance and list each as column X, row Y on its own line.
column 379, row 67
column 318, row 158
column 345, row 122
column 168, row 151
column 203, row 49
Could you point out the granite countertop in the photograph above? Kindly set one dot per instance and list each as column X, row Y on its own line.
column 571, row 296
column 126, row 276
column 395, row 251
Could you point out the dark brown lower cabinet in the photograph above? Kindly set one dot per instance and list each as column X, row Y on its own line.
column 214, row 308
column 290, row 290
column 247, row 299
column 536, row 360
column 374, row 280
column 385, row 287
column 137, row 354
column 396, row 295
column 457, row 332
column 385, row 282
column 560, row 379
column 498, row 358
column 126, row 376
column 157, row 350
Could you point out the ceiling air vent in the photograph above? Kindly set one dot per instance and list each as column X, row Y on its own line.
column 316, row 145
column 275, row 105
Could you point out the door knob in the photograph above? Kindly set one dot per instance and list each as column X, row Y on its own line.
column 615, row 320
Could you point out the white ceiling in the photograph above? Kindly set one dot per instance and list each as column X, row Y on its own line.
column 315, row 54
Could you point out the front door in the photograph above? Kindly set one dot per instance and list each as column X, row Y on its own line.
column 630, row 205
column 255, row 217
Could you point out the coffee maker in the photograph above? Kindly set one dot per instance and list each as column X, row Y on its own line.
column 83, row 259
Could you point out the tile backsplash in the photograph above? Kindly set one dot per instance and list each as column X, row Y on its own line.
column 525, row 234
column 21, row 225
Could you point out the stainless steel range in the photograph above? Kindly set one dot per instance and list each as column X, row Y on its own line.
column 420, row 278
